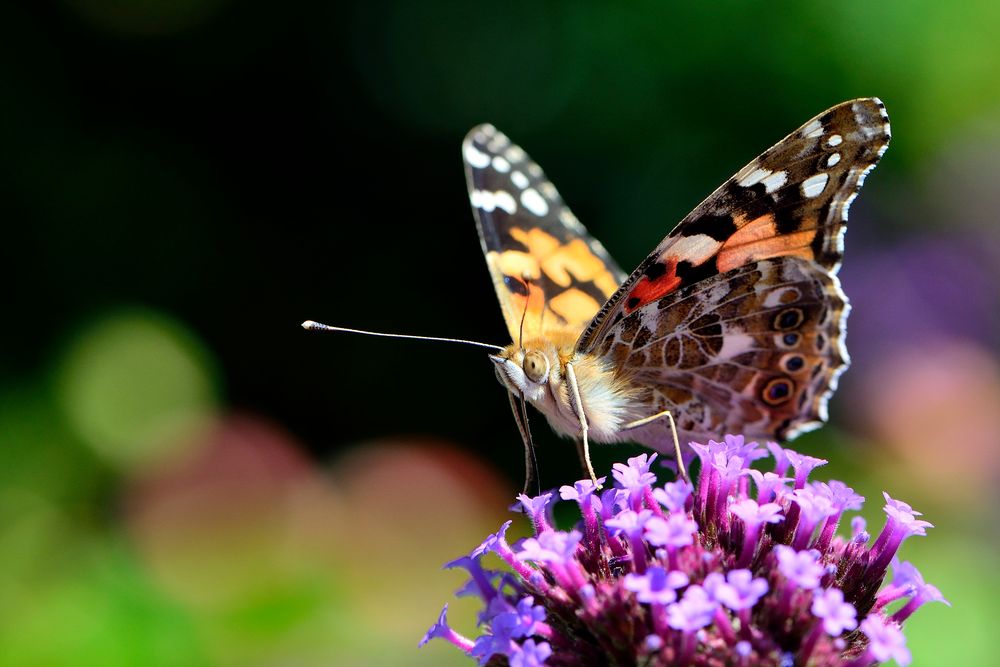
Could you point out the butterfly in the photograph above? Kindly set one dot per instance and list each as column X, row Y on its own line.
column 735, row 323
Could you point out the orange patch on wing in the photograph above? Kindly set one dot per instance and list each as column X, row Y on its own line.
column 530, row 306
column 563, row 263
column 759, row 239
column 647, row 290
column 574, row 305
column 576, row 260
column 539, row 243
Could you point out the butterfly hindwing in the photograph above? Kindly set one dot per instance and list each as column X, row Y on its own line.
column 545, row 267
column 756, row 350
column 792, row 201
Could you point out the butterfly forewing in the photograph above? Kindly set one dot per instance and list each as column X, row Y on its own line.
column 790, row 201
column 545, row 267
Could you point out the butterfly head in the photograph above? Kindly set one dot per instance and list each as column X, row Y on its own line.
column 525, row 370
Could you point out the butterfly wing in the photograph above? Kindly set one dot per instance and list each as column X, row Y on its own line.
column 736, row 320
column 545, row 267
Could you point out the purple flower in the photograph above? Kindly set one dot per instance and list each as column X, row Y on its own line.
column 800, row 567
column 674, row 495
column 537, row 509
column 721, row 583
column 738, row 590
column 842, row 496
column 803, row 465
column 635, row 474
column 901, row 523
column 908, row 580
column 694, row 611
column 635, row 478
column 529, row 615
column 781, row 461
column 581, row 490
column 632, row 524
column 656, row 586
column 708, row 451
column 550, row 547
column 492, row 542
column 677, row 530
column 770, row 486
column 611, row 501
column 441, row 629
column 829, row 606
column 753, row 514
column 629, row 523
column 530, row 654
column 885, row 641
column 813, row 508
column 754, row 517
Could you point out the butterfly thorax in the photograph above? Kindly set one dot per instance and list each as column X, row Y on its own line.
column 537, row 369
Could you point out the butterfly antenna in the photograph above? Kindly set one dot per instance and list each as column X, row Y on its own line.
column 309, row 325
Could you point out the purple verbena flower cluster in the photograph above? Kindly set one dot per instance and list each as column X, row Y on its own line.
column 744, row 568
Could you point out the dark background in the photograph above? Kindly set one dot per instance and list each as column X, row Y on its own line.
column 184, row 182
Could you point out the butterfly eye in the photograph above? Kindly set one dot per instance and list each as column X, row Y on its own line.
column 536, row 366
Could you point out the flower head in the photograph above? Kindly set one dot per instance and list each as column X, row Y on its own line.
column 885, row 640
column 656, row 585
column 715, row 573
column 800, row 567
column 692, row 612
column 837, row 615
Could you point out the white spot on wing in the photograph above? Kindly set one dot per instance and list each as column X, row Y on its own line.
column 775, row 297
column 813, row 130
column 775, row 181
column 519, row 179
column 833, row 159
column 548, row 190
column 772, row 180
column 501, row 164
column 534, row 202
column 695, row 249
column 534, row 169
column 735, row 342
column 834, row 140
column 753, row 178
column 475, row 157
column 814, row 185
column 514, row 154
column 490, row 201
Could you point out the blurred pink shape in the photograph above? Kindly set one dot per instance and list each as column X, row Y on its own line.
column 248, row 518
column 936, row 405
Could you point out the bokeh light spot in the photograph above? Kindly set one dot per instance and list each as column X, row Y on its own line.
column 133, row 384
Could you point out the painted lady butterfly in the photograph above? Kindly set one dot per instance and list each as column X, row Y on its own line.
column 734, row 323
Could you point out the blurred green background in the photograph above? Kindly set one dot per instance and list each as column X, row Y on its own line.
column 188, row 478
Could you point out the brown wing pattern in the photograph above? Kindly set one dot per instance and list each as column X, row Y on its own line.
column 544, row 264
column 792, row 201
column 755, row 351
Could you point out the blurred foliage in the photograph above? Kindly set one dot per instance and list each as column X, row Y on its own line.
column 187, row 478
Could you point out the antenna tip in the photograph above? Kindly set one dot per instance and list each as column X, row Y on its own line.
column 309, row 325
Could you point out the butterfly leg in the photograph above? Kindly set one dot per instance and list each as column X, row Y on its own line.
column 574, row 392
column 673, row 430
